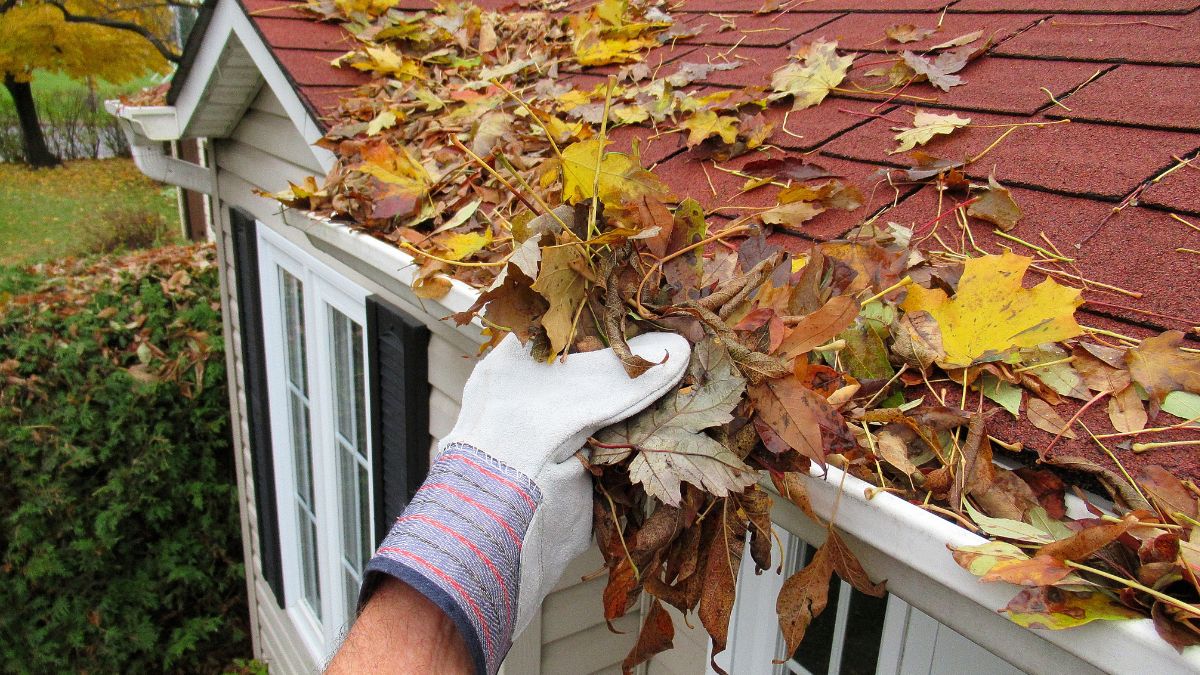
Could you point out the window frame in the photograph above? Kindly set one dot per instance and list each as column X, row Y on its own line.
column 323, row 289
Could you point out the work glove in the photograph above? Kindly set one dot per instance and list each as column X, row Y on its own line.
column 506, row 506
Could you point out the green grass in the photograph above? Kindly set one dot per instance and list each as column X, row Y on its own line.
column 44, row 212
column 49, row 87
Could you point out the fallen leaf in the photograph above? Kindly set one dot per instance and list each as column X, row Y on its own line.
column 791, row 167
column 907, row 32
column 459, row 246
column 1036, row 571
column 706, row 123
column 791, row 216
column 1056, row 609
column 810, row 82
column 620, row 176
column 819, row 327
column 1041, row 415
column 958, row 41
column 925, row 127
column 939, row 70
column 1087, row 541
column 1161, row 367
column 979, row 559
column 1126, row 412
column 671, row 446
column 720, row 578
column 847, row 566
column 803, row 597
column 689, row 72
column 796, row 414
column 997, row 206
column 991, row 313
column 564, row 289
column 656, row 635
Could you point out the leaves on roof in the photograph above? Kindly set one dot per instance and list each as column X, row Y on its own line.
column 873, row 354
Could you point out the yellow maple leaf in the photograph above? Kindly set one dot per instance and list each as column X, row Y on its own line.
column 706, row 124
column 810, row 82
column 992, row 313
column 620, row 176
column 464, row 245
column 925, row 127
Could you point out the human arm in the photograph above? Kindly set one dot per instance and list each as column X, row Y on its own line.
column 506, row 505
column 399, row 615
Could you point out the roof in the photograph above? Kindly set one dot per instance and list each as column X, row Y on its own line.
column 1115, row 189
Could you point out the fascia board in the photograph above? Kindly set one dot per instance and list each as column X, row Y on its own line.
column 375, row 259
column 229, row 20
column 907, row 546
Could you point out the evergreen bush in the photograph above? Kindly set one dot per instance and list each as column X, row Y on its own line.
column 120, row 547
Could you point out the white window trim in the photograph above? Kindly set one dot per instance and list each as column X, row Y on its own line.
column 322, row 287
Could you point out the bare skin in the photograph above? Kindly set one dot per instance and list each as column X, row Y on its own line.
column 401, row 631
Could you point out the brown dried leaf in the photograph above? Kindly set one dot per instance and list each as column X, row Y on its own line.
column 819, row 327
column 803, row 597
column 996, row 206
column 1126, row 412
column 720, row 578
column 657, row 633
column 1041, row 415
column 1161, row 367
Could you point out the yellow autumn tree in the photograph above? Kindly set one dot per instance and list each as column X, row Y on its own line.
column 114, row 40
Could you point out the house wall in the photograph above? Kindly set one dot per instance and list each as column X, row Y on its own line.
column 263, row 152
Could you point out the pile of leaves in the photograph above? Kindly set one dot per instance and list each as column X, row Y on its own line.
column 467, row 151
column 120, row 546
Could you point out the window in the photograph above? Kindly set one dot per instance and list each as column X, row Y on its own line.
column 313, row 324
column 855, row 635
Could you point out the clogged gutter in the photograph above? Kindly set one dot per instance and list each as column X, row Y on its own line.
column 874, row 354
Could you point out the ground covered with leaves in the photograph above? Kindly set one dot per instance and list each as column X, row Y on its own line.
column 120, row 546
column 878, row 354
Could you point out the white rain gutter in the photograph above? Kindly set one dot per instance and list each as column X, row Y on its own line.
column 385, row 264
column 147, row 128
column 907, row 546
column 894, row 539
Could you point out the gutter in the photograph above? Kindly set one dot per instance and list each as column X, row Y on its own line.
column 894, row 539
column 907, row 546
column 147, row 129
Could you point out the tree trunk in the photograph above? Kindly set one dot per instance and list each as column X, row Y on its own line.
column 32, row 141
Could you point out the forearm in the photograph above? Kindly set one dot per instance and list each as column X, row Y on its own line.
column 401, row 631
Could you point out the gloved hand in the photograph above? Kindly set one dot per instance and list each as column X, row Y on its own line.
column 506, row 506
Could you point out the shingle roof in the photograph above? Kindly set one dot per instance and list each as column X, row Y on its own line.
column 1125, row 73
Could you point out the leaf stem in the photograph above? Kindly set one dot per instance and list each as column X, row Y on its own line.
column 495, row 174
column 1046, row 252
column 899, row 284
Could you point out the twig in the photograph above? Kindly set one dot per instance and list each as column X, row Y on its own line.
column 1045, row 252
column 1143, row 447
column 1190, row 609
column 1191, row 225
column 1053, row 100
column 899, row 284
column 1071, row 421
column 495, row 174
column 1181, row 425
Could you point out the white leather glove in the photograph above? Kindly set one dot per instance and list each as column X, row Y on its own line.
column 506, row 507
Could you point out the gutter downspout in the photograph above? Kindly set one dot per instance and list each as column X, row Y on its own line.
column 147, row 128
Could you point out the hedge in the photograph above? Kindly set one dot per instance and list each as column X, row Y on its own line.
column 120, row 548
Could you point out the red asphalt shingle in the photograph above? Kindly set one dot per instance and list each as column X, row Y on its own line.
column 1152, row 96
column 865, row 32
column 997, row 85
column 1179, row 191
column 1089, row 6
column 1154, row 39
column 1075, row 158
column 753, row 30
column 1128, row 126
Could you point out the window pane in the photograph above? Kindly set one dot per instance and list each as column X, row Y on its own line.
column 351, row 589
column 348, row 474
column 310, row 567
column 366, row 537
column 300, row 428
column 864, row 630
column 293, row 328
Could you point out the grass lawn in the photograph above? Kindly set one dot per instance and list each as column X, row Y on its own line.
column 42, row 212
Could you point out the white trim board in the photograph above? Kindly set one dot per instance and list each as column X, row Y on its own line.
column 230, row 21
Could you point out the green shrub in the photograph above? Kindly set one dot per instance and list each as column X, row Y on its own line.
column 125, row 228
column 120, row 548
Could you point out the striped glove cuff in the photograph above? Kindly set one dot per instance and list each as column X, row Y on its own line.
column 459, row 544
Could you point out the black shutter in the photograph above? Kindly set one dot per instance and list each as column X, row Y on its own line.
column 398, row 348
column 249, row 299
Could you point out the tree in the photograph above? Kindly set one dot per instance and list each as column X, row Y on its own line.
column 114, row 40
